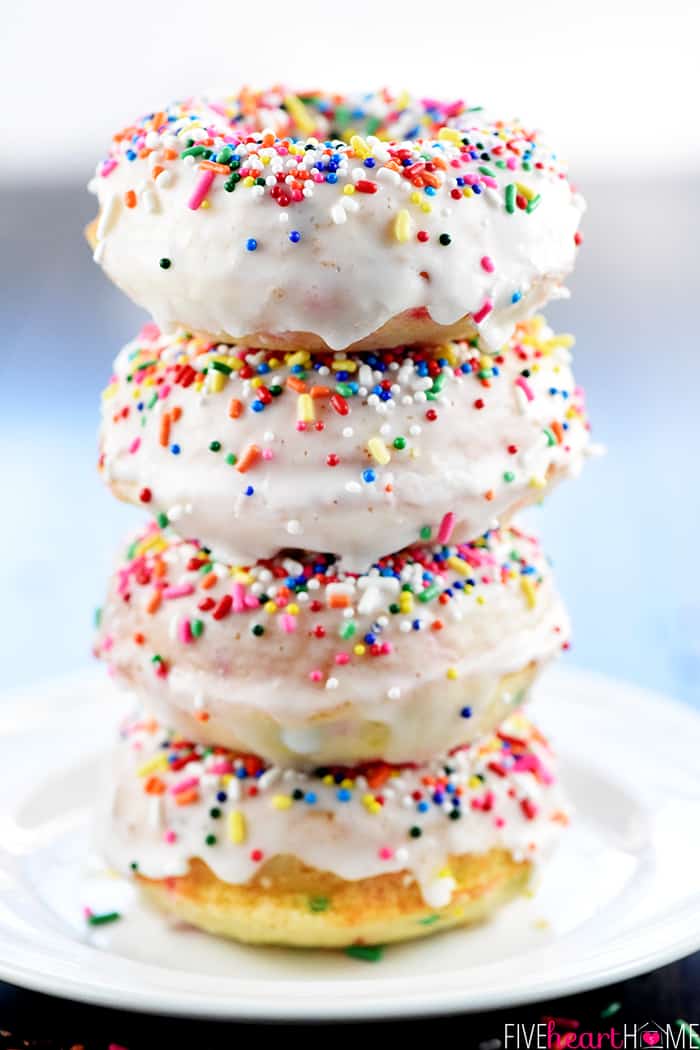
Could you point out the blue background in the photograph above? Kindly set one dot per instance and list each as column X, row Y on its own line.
column 623, row 538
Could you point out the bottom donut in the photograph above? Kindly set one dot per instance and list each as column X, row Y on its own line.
column 336, row 857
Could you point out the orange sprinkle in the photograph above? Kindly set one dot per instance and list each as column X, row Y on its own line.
column 296, row 384
column 154, row 786
column 249, row 458
column 130, row 199
column 210, row 165
column 186, row 798
column 202, row 716
column 235, row 408
column 558, row 431
column 165, row 429
column 154, row 602
column 209, row 580
column 157, row 170
column 139, row 638
column 169, row 154
column 175, row 413
column 159, row 568
column 338, row 601
column 489, row 495
column 319, row 391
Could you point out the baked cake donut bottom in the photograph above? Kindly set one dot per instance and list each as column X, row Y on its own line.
column 370, row 853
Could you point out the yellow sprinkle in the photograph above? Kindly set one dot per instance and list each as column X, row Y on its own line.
column 205, row 204
column 426, row 207
column 265, row 158
column 293, row 609
column 328, row 779
column 538, row 483
column 452, row 673
column 467, row 191
column 281, row 801
column 359, row 650
column 157, row 762
column 445, row 874
column 348, row 189
column 480, row 600
column 474, row 782
column 344, row 366
column 237, row 831
column 360, row 147
column 226, row 778
column 406, row 602
column 450, row 135
column 526, row 192
column 528, row 589
column 306, row 412
column 458, row 565
column 300, row 357
column 402, row 226
column 299, row 114
column 217, row 381
column 415, row 197
column 270, row 607
column 154, row 543
column 110, row 391
column 256, row 382
column 346, row 782
column 378, row 451
column 248, row 181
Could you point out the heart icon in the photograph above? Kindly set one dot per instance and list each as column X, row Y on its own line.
column 651, row 1038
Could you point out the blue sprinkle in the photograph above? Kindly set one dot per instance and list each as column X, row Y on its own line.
column 368, row 475
column 516, row 297
column 251, row 244
column 295, row 236
column 466, row 712
column 241, row 773
column 423, row 807
column 416, row 625
column 331, row 177
column 310, row 798
column 343, row 795
column 249, row 491
column 370, row 162
column 221, row 796
column 175, row 449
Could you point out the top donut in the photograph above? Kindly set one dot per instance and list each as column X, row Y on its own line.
column 334, row 222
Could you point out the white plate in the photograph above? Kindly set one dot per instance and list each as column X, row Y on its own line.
column 620, row 897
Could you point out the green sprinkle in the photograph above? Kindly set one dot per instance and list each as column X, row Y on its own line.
column 531, row 205
column 611, row 1009
column 134, row 865
column 487, row 171
column 106, row 917
column 224, row 155
column 162, row 520
column 231, row 459
column 153, row 402
column 526, row 165
column 215, row 813
column 429, row 920
column 197, row 628
column 510, row 198
column 348, row 629
column 394, row 608
column 415, row 832
column 275, row 389
column 215, row 446
column 165, row 264
column 258, row 630
column 365, row 952
column 318, row 904
column 425, row 532
column 551, row 440
column 210, row 840
column 207, row 567
column 373, row 123
column 399, row 443
column 231, row 182
column 438, row 383
column 344, row 389
column 220, row 366
column 429, row 593
column 509, row 476
column 97, row 617
column 194, row 151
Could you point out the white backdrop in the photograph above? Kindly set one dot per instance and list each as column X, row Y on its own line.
column 614, row 84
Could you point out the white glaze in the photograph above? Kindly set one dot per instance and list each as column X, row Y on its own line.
column 520, row 809
column 351, row 273
column 458, row 464
column 307, row 691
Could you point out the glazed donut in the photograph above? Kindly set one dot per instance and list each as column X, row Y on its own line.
column 359, row 455
column 340, row 856
column 297, row 661
column 317, row 221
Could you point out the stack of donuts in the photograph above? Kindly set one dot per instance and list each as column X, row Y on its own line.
column 330, row 622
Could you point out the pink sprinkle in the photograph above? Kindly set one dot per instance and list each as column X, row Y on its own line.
column 386, row 853
column 268, row 454
column 184, row 785
column 108, row 167
column 499, row 822
column 164, row 391
column 87, row 912
column 252, row 601
column 511, row 163
column 316, row 675
column 184, row 632
column 446, row 526
column 170, row 837
column 179, row 590
column 490, row 182
column 288, row 623
column 487, row 263
column 483, row 312
column 201, row 189
column 135, row 445
column 107, row 643
column 221, row 768
column 238, row 595
column 342, row 658
column 522, row 382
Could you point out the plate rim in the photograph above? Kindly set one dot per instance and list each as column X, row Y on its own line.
column 398, row 996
